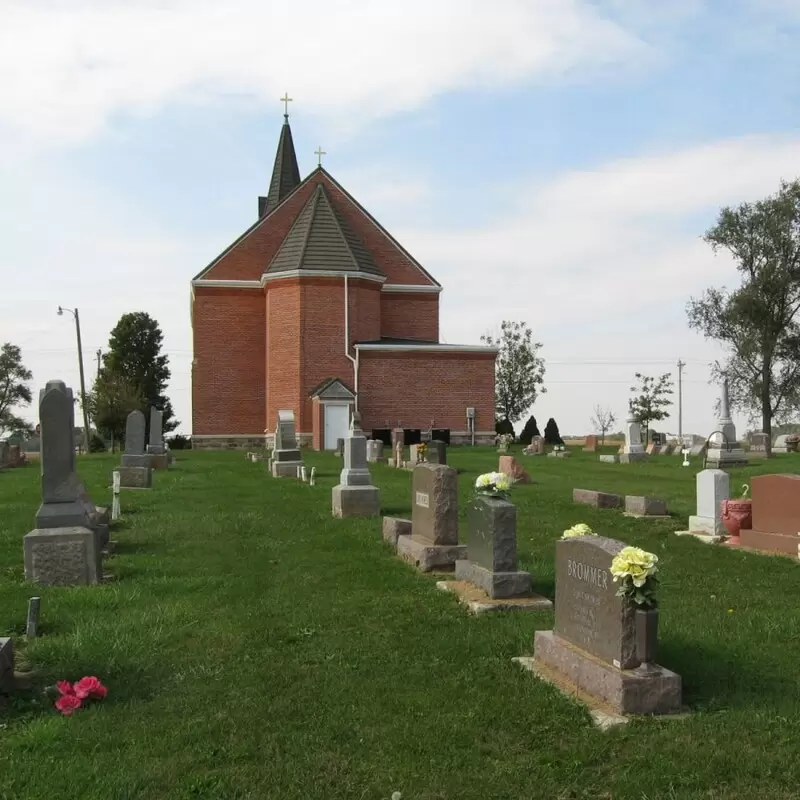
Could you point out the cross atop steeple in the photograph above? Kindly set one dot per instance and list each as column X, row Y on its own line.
column 286, row 100
column 319, row 152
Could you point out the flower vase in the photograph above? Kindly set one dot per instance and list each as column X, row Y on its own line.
column 646, row 624
column 736, row 514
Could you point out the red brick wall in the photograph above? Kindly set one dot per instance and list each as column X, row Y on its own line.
column 283, row 320
column 228, row 367
column 410, row 316
column 416, row 388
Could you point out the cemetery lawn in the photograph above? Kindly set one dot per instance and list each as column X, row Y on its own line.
column 254, row 647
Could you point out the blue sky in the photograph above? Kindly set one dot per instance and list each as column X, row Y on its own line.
column 552, row 161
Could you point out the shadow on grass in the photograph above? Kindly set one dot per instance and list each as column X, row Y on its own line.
column 396, row 511
column 719, row 678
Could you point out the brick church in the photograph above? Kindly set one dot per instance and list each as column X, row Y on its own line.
column 317, row 309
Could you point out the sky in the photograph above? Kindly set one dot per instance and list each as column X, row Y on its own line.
column 548, row 161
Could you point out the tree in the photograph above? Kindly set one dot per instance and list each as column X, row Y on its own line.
column 519, row 371
column 503, row 426
column 757, row 323
column 652, row 399
column 112, row 398
column 551, row 434
column 14, row 390
column 134, row 353
column 603, row 420
column 530, row 430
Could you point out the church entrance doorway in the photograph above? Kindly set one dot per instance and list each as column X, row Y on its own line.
column 337, row 423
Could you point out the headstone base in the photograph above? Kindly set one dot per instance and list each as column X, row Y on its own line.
column 701, row 537
column 135, row 477
column 393, row 528
column 771, row 542
column 707, row 526
column 718, row 459
column 63, row 515
column 631, row 691
column 638, row 506
column 478, row 602
column 609, row 459
column 356, row 501
column 285, row 469
column 497, row 585
column 427, row 557
column 62, row 557
column 7, row 682
column 159, row 461
column 631, row 458
column 559, row 454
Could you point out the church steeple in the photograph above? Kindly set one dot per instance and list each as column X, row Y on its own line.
column 285, row 173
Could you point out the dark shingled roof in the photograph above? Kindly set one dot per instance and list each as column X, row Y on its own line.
column 285, row 173
column 321, row 239
column 390, row 340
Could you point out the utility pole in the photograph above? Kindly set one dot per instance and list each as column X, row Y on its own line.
column 74, row 312
column 681, row 365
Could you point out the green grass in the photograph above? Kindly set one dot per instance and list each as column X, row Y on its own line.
column 254, row 647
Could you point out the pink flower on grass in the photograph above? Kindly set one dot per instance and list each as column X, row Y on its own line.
column 64, row 687
column 68, row 703
column 90, row 687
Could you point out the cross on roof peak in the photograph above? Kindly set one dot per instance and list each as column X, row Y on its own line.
column 319, row 152
column 286, row 100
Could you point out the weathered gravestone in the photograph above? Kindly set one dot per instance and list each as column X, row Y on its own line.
column 633, row 449
column 600, row 641
column 65, row 547
column 515, row 472
column 780, row 445
column 758, row 443
column 536, row 447
column 437, row 452
column 355, row 496
column 156, row 449
column 491, row 562
column 725, row 450
column 776, row 515
column 134, row 470
column 286, row 456
column 65, row 501
column 639, row 506
column 375, row 452
column 433, row 543
column 340, row 447
column 591, row 444
column 595, row 499
column 713, row 486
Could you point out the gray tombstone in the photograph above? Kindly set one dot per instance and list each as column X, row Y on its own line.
column 66, row 556
column 134, row 470
column 433, row 543
column 492, row 550
column 286, row 456
column 156, row 443
column 437, row 452
column 355, row 496
column 375, row 452
column 713, row 486
column 600, row 641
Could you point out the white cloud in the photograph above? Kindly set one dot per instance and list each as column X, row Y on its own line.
column 67, row 69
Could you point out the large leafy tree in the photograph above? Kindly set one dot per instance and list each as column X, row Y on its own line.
column 519, row 370
column 14, row 390
column 112, row 398
column 134, row 355
column 651, row 400
column 757, row 322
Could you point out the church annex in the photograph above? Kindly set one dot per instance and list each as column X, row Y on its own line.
column 317, row 309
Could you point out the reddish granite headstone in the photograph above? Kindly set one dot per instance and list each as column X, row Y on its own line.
column 591, row 444
column 511, row 467
column 776, row 514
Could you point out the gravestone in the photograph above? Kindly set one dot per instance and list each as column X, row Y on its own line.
column 727, row 452
column 433, row 543
column 536, row 447
column 633, row 449
column 609, row 459
column 286, row 456
column 596, row 499
column 5, row 459
column 115, row 487
column 639, row 506
column 776, row 515
column 392, row 528
column 491, row 562
column 134, row 470
column 597, row 642
column 355, row 496
column 437, row 452
column 7, row 678
column 591, row 444
column 697, row 450
column 340, row 448
column 758, row 442
column 713, row 486
column 375, row 452
column 156, row 448
column 65, row 501
column 68, row 556
column 414, row 456
column 779, row 445
column 516, row 473
column 667, row 449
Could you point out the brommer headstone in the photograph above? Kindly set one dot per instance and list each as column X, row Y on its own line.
column 286, row 456
column 597, row 640
column 433, row 543
column 355, row 496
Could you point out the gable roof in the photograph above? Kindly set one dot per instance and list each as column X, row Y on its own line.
column 321, row 239
column 249, row 256
column 285, row 172
column 335, row 387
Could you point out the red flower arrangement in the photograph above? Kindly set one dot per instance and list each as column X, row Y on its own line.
column 74, row 695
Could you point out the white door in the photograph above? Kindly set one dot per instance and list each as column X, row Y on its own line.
column 337, row 423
